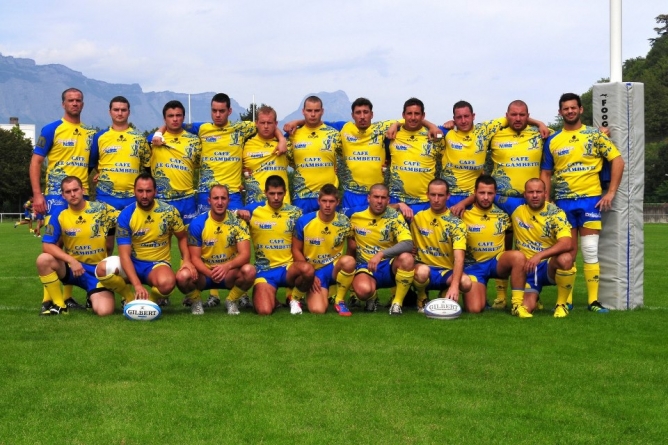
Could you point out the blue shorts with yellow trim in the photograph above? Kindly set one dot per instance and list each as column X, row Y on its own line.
column 416, row 207
column 353, row 202
column 509, row 203
column 383, row 274
column 455, row 199
column 483, row 271
column 307, row 205
column 538, row 279
column 117, row 203
column 581, row 212
column 144, row 268
column 325, row 275
column 235, row 202
column 275, row 277
column 87, row 281
column 187, row 208
column 438, row 278
column 210, row 284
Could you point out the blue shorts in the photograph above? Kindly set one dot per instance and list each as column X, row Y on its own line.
column 483, row 271
column 210, row 284
column 416, row 207
column 325, row 275
column 455, row 199
column 307, row 205
column 383, row 274
column 438, row 278
column 509, row 203
column 235, row 202
column 353, row 202
column 536, row 281
column 275, row 277
column 581, row 212
column 27, row 215
column 117, row 203
column 144, row 268
column 187, row 208
column 87, row 281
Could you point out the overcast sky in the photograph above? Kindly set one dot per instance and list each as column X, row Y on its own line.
column 488, row 52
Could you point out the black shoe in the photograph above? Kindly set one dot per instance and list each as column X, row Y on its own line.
column 71, row 303
column 46, row 306
column 56, row 310
column 89, row 304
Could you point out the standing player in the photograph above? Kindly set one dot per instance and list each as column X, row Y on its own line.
column 66, row 145
column 271, row 226
column 82, row 230
column 219, row 245
column 381, row 243
column 486, row 257
column 319, row 239
column 575, row 155
column 314, row 156
column 543, row 235
column 144, row 236
column 27, row 216
column 440, row 245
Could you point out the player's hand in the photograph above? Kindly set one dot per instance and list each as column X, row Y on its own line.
column 604, row 130
column 316, row 287
column 219, row 272
column 140, row 292
column 190, row 267
column 281, row 148
column 97, row 175
column 247, row 172
column 605, row 202
column 544, row 131
column 39, row 204
column 452, row 293
column 372, row 265
column 76, row 268
column 158, row 139
column 406, row 211
column 243, row 214
column 289, row 127
column 458, row 209
column 449, row 125
column 435, row 134
column 392, row 130
column 531, row 265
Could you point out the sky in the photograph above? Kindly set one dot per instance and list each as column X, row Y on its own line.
column 488, row 52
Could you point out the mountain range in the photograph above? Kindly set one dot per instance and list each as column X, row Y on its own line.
column 32, row 92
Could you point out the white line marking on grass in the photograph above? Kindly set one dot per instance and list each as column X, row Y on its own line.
column 18, row 278
column 655, row 308
column 15, row 308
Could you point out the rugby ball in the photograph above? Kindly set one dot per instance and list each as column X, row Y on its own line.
column 443, row 309
column 142, row 310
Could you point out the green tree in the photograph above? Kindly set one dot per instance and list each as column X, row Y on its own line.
column 15, row 154
column 250, row 112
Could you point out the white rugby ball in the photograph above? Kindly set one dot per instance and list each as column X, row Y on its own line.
column 443, row 309
column 142, row 310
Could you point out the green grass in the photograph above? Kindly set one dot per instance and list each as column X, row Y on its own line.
column 488, row 378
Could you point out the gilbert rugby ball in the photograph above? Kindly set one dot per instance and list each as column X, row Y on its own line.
column 443, row 309
column 142, row 310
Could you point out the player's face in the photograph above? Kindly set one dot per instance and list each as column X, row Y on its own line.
column 327, row 204
column 438, row 196
column 145, row 194
column 484, row 196
column 378, row 201
column 266, row 125
column 570, row 112
column 73, row 104
column 174, row 119
column 312, row 112
column 518, row 117
column 275, row 197
column 119, row 112
column 464, row 118
column 218, row 201
column 535, row 195
column 413, row 117
column 362, row 115
column 220, row 113
column 74, row 195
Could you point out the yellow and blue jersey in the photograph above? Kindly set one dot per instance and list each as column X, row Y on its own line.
column 119, row 156
column 538, row 230
column 516, row 159
column 576, row 157
column 436, row 237
column 67, row 149
column 218, row 239
column 149, row 232
column 221, row 153
column 313, row 155
column 260, row 158
column 414, row 162
column 374, row 233
column 271, row 231
column 173, row 165
column 485, row 233
column 84, row 232
column 464, row 155
column 323, row 241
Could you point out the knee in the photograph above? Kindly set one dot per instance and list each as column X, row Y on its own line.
column 247, row 272
column 405, row 261
column 44, row 260
column 347, row 263
column 421, row 273
column 565, row 261
column 465, row 283
column 184, row 279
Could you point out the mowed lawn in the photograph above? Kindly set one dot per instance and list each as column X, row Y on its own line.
column 370, row 378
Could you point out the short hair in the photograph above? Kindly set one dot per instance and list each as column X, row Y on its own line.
column 439, row 181
column 71, row 90
column 361, row 102
column 462, row 104
column 219, row 186
column 313, row 99
column 569, row 96
column 120, row 99
column 414, row 101
column 534, row 180
column 222, row 98
column 265, row 109
column 485, row 179
column 68, row 179
column 519, row 103
column 380, row 186
column 328, row 190
column 274, row 181
column 143, row 176
column 173, row 104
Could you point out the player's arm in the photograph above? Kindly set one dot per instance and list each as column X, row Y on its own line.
column 542, row 128
column 182, row 239
column 290, row 127
column 562, row 245
column 402, row 208
column 352, row 247
column 58, row 253
column 125, row 252
column 434, row 131
column 39, row 205
column 616, row 172
column 298, row 249
column 219, row 272
column 459, row 208
column 457, row 273
column 282, row 146
column 196, row 260
column 389, row 253
column 546, row 177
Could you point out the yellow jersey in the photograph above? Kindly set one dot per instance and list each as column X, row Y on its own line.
column 218, row 240
column 259, row 157
column 313, row 155
column 538, row 230
column 174, row 163
column 516, row 159
column 323, row 241
column 485, row 233
column 436, row 237
column 271, row 231
column 373, row 233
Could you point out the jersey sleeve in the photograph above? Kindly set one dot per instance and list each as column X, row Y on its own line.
column 195, row 232
column 458, row 236
column 299, row 227
column 402, row 232
column 337, row 125
column 95, row 150
column 45, row 140
column 123, row 234
column 192, row 127
column 548, row 161
column 53, row 230
column 176, row 223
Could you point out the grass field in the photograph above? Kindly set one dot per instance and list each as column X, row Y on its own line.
column 370, row 378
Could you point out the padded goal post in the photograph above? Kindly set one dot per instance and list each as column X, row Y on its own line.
column 620, row 106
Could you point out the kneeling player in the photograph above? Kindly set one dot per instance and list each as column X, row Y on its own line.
column 219, row 245
column 382, row 245
column 319, row 240
column 83, row 228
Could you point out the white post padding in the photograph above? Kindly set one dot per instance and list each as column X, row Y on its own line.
column 620, row 106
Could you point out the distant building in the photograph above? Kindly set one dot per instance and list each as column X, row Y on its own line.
column 27, row 129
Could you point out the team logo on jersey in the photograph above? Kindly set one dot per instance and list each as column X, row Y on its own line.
column 80, row 220
column 314, row 241
column 362, row 231
column 211, row 139
column 112, row 149
column 41, row 142
column 484, row 217
column 313, row 135
column 121, row 138
column 425, row 232
column 476, row 228
column 564, row 151
column 175, row 141
column 149, row 220
column 434, row 222
column 268, row 225
column 412, row 138
column 326, row 231
column 71, row 232
column 76, row 132
column 574, row 138
column 523, row 225
column 373, row 223
column 268, row 145
column 467, row 138
column 277, row 215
